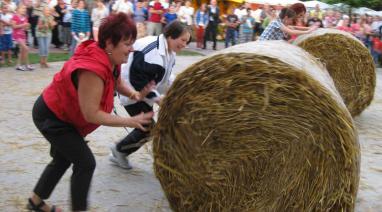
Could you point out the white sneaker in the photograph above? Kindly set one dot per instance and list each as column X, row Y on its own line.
column 119, row 158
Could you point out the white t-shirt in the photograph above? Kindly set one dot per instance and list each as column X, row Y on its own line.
column 7, row 18
column 185, row 14
column 124, row 6
column 240, row 12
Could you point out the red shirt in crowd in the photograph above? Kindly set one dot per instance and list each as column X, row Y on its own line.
column 156, row 17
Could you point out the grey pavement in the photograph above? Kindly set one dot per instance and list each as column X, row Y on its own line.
column 24, row 152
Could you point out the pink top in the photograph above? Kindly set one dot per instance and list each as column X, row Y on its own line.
column 345, row 28
column 19, row 33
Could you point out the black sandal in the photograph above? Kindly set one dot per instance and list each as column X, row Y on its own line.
column 33, row 207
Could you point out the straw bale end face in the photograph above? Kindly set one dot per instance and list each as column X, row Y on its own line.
column 248, row 132
column 348, row 62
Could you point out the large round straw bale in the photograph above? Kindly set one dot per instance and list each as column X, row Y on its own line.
column 349, row 63
column 257, row 127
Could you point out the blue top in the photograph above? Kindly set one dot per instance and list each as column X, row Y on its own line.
column 169, row 17
column 80, row 21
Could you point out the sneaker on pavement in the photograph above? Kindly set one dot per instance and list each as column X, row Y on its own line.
column 30, row 68
column 21, row 68
column 119, row 158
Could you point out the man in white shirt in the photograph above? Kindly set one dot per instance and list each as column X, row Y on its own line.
column 124, row 6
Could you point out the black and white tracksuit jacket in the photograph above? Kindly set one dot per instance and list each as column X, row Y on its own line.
column 149, row 61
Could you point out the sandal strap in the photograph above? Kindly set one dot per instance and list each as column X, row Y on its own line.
column 33, row 206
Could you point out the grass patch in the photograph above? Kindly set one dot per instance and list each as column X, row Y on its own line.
column 34, row 58
column 189, row 53
column 53, row 57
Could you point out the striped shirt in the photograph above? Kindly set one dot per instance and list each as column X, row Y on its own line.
column 80, row 21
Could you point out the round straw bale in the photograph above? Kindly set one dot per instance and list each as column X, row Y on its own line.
column 349, row 63
column 256, row 127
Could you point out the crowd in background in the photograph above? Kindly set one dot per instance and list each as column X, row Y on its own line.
column 65, row 24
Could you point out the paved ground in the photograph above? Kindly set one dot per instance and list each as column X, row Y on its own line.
column 24, row 153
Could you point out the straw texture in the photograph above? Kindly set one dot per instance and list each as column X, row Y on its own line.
column 349, row 63
column 256, row 127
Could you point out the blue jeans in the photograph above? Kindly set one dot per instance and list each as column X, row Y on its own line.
column 231, row 35
column 376, row 56
column 43, row 46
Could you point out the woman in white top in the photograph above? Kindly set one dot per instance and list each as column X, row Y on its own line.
column 98, row 13
column 152, row 60
column 124, row 6
column 186, row 13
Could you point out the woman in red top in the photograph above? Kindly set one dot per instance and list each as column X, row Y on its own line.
column 79, row 99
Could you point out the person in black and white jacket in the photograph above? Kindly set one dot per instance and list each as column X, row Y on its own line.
column 152, row 61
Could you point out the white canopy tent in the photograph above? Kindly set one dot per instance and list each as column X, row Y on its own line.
column 274, row 2
column 365, row 10
column 312, row 4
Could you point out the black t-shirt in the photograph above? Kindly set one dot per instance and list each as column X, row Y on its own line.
column 314, row 21
column 231, row 19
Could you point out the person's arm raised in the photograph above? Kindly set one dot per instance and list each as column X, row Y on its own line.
column 90, row 90
column 290, row 31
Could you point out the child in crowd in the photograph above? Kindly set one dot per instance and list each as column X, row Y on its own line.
column 20, row 25
column 44, row 33
column 246, row 27
column 6, row 43
column 170, row 16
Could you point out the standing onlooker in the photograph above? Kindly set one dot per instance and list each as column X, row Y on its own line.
column 317, row 12
column 6, row 35
column 44, row 33
column 232, row 22
column 80, row 23
column 314, row 21
column 140, row 17
column 20, row 25
column 124, row 6
column 246, row 27
column 32, row 19
column 330, row 20
column 344, row 24
column 58, row 17
column 186, row 14
column 67, row 24
column 213, row 22
column 169, row 16
column 98, row 13
column 154, row 25
column 201, row 21
column 11, row 5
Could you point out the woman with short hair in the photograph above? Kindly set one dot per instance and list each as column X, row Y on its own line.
column 80, row 99
column 153, row 59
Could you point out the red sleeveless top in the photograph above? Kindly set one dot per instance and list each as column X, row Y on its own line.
column 61, row 95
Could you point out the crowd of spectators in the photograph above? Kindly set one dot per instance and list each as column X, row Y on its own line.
column 66, row 23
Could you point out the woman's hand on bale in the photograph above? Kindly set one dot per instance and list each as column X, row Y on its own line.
column 139, row 120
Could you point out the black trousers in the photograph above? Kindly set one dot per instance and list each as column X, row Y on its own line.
column 128, row 144
column 211, row 32
column 67, row 147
